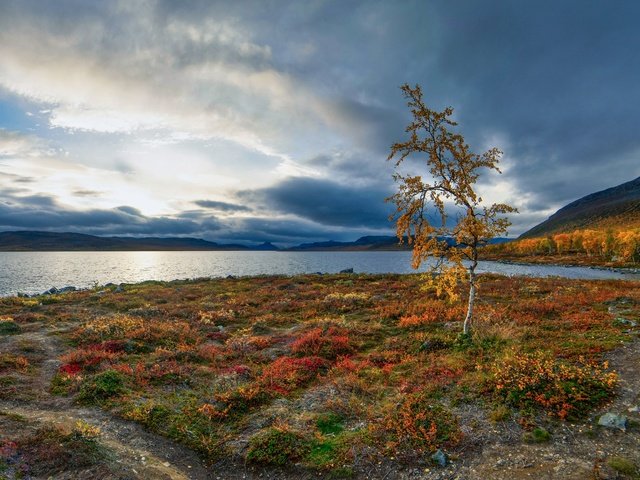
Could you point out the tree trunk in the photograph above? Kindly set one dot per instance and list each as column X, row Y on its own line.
column 472, row 297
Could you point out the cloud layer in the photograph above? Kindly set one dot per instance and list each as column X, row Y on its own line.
column 261, row 121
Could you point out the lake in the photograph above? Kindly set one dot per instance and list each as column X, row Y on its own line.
column 35, row 272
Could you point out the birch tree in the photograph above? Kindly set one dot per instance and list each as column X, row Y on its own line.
column 439, row 212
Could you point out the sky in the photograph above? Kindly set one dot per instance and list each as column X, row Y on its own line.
column 252, row 121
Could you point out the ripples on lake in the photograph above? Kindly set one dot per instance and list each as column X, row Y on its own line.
column 35, row 272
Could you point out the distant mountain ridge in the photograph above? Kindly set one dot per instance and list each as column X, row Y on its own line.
column 34, row 241
column 53, row 241
column 616, row 207
column 380, row 242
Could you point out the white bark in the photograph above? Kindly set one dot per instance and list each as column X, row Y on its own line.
column 472, row 297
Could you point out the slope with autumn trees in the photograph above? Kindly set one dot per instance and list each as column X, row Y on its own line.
column 599, row 229
column 616, row 208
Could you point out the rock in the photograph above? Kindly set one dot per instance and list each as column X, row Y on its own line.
column 347, row 270
column 605, row 472
column 440, row 458
column 118, row 289
column 625, row 321
column 613, row 420
column 634, row 409
column 51, row 291
column 432, row 345
column 66, row 289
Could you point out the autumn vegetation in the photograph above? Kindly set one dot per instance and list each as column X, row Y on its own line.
column 587, row 246
column 438, row 210
column 329, row 374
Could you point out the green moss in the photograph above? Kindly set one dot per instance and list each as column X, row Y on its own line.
column 53, row 450
column 277, row 446
column 330, row 424
column 9, row 327
column 61, row 385
column 102, row 387
column 622, row 465
column 500, row 414
column 537, row 435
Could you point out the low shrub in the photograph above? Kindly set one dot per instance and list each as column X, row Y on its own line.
column 537, row 435
column 287, row 373
column 329, row 424
column 9, row 327
column 52, row 450
column 277, row 446
column 323, row 342
column 421, row 423
column 10, row 362
column 102, row 387
column 537, row 381
column 623, row 465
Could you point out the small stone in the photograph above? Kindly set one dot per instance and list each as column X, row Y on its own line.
column 613, row 420
column 626, row 321
column 634, row 409
column 166, row 464
column 440, row 458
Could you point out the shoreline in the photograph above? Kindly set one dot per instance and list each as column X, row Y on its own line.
column 120, row 285
column 622, row 270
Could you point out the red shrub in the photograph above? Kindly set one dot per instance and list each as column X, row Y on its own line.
column 89, row 357
column 210, row 352
column 327, row 343
column 111, row 346
column 349, row 365
column 242, row 370
column 71, row 369
column 287, row 373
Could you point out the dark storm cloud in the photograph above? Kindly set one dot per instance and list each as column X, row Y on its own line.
column 45, row 213
column 288, row 232
column 326, row 202
column 558, row 80
column 554, row 84
column 221, row 206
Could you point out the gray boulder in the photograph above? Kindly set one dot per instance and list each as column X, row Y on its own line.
column 614, row 421
column 440, row 458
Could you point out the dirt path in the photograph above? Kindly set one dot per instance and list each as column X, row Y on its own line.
column 139, row 453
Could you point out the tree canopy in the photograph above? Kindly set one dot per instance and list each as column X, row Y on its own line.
column 462, row 224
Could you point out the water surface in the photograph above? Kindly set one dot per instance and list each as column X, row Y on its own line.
column 35, row 272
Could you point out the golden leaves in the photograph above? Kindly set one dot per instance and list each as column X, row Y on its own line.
column 453, row 172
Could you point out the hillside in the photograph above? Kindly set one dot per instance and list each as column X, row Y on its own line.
column 53, row 241
column 616, row 208
column 363, row 243
column 370, row 243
